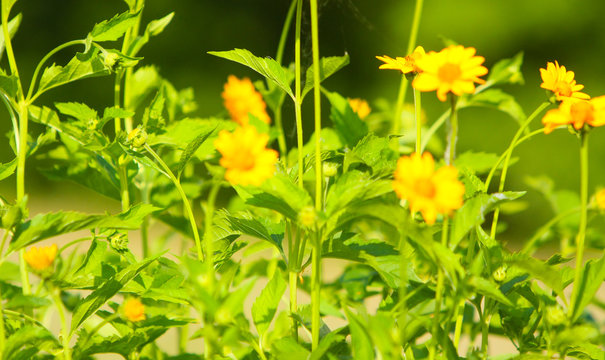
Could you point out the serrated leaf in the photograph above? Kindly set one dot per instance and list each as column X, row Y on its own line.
column 27, row 337
column 77, row 110
column 253, row 227
column 9, row 84
column 114, row 28
column 265, row 305
column 81, row 66
column 267, row 67
column 361, row 342
column 487, row 288
column 498, row 99
column 116, row 112
column 473, row 212
column 539, row 270
column 95, row 256
column 44, row 226
column 8, row 169
column 327, row 67
column 354, row 186
column 288, row 348
column 507, row 71
column 100, row 296
column 374, row 152
column 154, row 28
column 592, row 278
column 191, row 149
column 346, row 121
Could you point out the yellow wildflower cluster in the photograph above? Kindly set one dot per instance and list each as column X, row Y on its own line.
column 241, row 99
column 561, row 82
column 133, row 310
column 360, row 107
column 245, row 156
column 41, row 258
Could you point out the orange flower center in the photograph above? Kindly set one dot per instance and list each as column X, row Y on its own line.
column 582, row 111
column 243, row 161
column 563, row 88
column 424, row 188
column 449, row 72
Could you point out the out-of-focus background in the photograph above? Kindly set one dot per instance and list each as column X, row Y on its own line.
column 571, row 32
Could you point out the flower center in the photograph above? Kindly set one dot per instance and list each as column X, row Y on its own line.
column 449, row 72
column 562, row 88
column 425, row 188
column 582, row 112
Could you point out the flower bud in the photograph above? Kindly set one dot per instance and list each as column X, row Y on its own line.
column 600, row 198
column 134, row 310
column 555, row 315
column 500, row 274
column 137, row 137
column 41, row 259
column 329, row 169
column 12, row 217
column 307, row 216
column 110, row 58
column 119, row 242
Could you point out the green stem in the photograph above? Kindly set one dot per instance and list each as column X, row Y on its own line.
column 404, row 81
column 439, row 293
column 9, row 47
column 284, row 32
column 117, row 94
column 583, row 211
column 315, row 291
column 418, row 118
column 145, row 194
column 485, row 320
column 27, row 289
column 131, row 34
column 124, row 194
column 403, row 290
column 530, row 245
column 208, row 235
column 298, row 91
column 507, row 161
column 453, row 132
column 65, row 338
column 317, row 103
column 2, row 329
column 186, row 203
column 459, row 321
column 293, row 281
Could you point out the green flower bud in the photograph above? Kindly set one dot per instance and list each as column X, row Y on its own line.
column 330, row 169
column 110, row 58
column 307, row 216
column 12, row 217
column 555, row 315
column 119, row 242
column 137, row 137
column 500, row 274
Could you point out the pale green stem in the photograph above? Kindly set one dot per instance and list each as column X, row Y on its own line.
column 186, row 203
column 453, row 133
column 583, row 211
column 117, row 94
column 403, row 282
column 507, row 161
column 418, row 118
column 316, row 291
column 485, row 320
column 459, row 320
column 124, row 193
column 131, row 34
column 65, row 338
column 439, row 293
column 2, row 330
column 293, row 280
column 317, row 103
column 404, row 81
column 13, row 117
column 297, row 92
column 4, row 237
column 145, row 194
column 209, row 236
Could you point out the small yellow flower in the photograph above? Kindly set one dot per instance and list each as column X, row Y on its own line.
column 428, row 191
column 245, row 156
column 241, row 99
column 360, row 107
column 601, row 199
column 41, row 258
column 561, row 82
column 404, row 64
column 576, row 112
column 134, row 310
column 454, row 69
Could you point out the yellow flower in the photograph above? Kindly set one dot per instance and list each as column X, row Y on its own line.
column 428, row 191
column 41, row 258
column 601, row 199
column 360, row 107
column 245, row 156
column 561, row 82
column 576, row 112
column 454, row 69
column 404, row 64
column 134, row 310
column 241, row 99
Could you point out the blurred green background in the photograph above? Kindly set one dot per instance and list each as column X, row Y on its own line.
column 572, row 32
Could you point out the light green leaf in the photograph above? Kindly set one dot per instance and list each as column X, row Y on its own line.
column 479, row 162
column 113, row 29
column 327, row 67
column 7, row 5
column 473, row 212
column 143, row 82
column 9, row 84
column 154, row 28
column 361, row 342
column 374, row 152
column 498, row 99
column 8, row 169
column 83, row 65
column 346, row 122
column 507, row 71
column 95, row 256
column 249, row 225
column 487, row 288
column 13, row 26
column 27, row 337
column 592, row 278
column 191, row 149
column 354, row 186
column 265, row 305
column 116, row 112
column 288, row 348
column 267, row 67
column 77, row 110
column 90, row 304
column 539, row 270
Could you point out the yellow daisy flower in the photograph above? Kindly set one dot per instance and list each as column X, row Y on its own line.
column 360, row 107
column 601, row 199
column 454, row 69
column 41, row 258
column 428, row 191
column 241, row 99
column 561, row 82
column 404, row 64
column 576, row 112
column 133, row 310
column 245, row 156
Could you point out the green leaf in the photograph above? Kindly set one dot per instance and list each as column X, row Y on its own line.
column 374, row 152
column 361, row 342
column 327, row 67
column 498, row 99
column 8, row 169
column 9, row 84
column 143, row 82
column 479, row 162
column 346, row 122
column 191, row 149
column 116, row 112
column 13, row 26
column 592, row 278
column 473, row 212
column 95, row 257
column 354, row 186
column 487, row 288
column 44, row 226
column 249, row 225
column 288, row 348
column 265, row 305
column 507, row 71
column 27, row 337
column 325, row 344
column 7, row 5
column 77, row 110
column 539, row 270
column 154, row 28
column 90, row 304
column 113, row 29
column 267, row 67
column 83, row 65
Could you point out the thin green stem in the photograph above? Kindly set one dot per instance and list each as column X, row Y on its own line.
column 459, row 321
column 317, row 103
column 27, row 289
column 124, row 193
column 583, row 217
column 2, row 329
column 145, row 195
column 13, row 117
column 284, row 32
column 4, row 237
column 316, row 291
column 293, row 281
column 522, row 128
column 530, row 245
column 418, row 118
column 117, row 95
column 297, row 92
column 186, row 203
column 65, row 338
column 9, row 48
column 439, row 294
column 131, row 34
column 485, row 320
column 453, row 132
column 209, row 235
column 403, row 288
column 403, row 86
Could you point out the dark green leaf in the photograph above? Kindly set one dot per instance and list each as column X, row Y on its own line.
column 265, row 305
column 113, row 29
column 346, row 122
column 267, row 67
column 592, row 278
column 327, row 67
